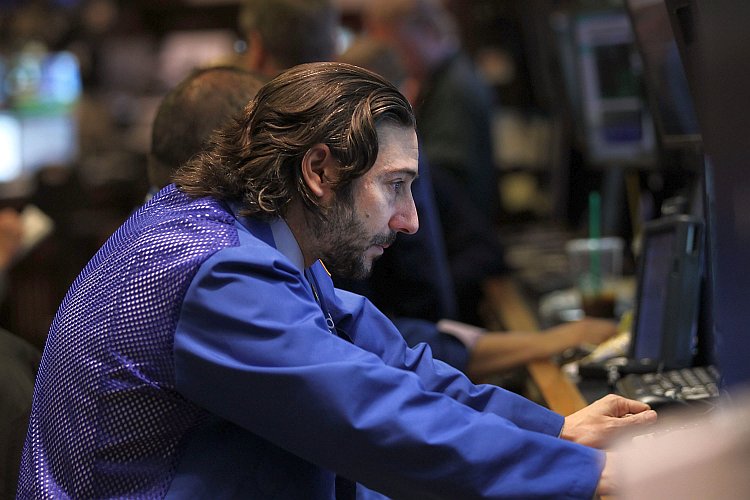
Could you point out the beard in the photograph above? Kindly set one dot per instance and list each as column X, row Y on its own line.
column 344, row 240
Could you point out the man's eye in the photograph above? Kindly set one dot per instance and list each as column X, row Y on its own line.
column 398, row 186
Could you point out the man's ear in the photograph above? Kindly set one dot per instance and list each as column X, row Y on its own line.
column 319, row 169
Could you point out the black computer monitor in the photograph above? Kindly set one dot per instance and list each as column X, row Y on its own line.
column 716, row 55
column 665, row 38
column 702, row 204
column 670, row 101
column 665, row 323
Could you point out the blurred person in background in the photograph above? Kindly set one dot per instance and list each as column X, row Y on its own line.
column 283, row 33
column 454, row 109
column 189, row 113
column 453, row 104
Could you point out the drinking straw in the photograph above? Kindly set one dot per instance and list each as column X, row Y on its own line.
column 595, row 264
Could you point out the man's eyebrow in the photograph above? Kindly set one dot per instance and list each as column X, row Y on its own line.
column 405, row 171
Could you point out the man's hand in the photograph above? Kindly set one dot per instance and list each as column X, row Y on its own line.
column 602, row 420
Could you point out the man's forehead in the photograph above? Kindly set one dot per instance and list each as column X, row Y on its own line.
column 398, row 150
column 398, row 138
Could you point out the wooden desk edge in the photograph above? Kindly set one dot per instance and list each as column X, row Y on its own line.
column 558, row 391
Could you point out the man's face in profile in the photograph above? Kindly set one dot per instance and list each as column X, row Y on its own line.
column 365, row 218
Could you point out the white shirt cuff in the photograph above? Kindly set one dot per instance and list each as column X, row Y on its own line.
column 467, row 334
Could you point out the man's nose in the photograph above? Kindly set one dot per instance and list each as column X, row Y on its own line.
column 406, row 220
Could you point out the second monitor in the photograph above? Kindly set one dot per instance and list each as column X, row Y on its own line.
column 665, row 323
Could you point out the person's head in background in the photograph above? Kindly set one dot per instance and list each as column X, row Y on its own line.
column 376, row 55
column 422, row 31
column 189, row 113
column 284, row 33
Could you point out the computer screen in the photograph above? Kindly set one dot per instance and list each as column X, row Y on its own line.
column 48, row 139
column 664, row 76
column 11, row 160
column 668, row 293
column 657, row 255
column 38, row 122
column 617, row 123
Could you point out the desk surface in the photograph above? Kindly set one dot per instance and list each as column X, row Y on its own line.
column 506, row 301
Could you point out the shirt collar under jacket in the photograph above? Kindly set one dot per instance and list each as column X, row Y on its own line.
column 283, row 238
column 286, row 243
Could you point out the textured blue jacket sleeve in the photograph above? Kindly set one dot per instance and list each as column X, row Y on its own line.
column 252, row 347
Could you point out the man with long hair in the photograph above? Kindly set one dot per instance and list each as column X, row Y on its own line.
column 204, row 353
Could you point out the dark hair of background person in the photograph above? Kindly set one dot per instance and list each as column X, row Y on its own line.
column 252, row 162
column 191, row 111
column 293, row 31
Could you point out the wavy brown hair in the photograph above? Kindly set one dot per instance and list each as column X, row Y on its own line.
column 256, row 159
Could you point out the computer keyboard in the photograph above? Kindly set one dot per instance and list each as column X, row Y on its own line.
column 684, row 385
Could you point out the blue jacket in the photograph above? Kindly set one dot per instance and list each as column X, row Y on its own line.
column 193, row 359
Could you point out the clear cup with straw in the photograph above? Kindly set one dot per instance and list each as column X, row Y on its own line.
column 596, row 265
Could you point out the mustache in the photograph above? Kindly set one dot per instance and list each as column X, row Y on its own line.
column 385, row 239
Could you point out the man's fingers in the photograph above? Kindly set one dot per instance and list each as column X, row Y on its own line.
column 621, row 406
column 643, row 418
column 633, row 406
